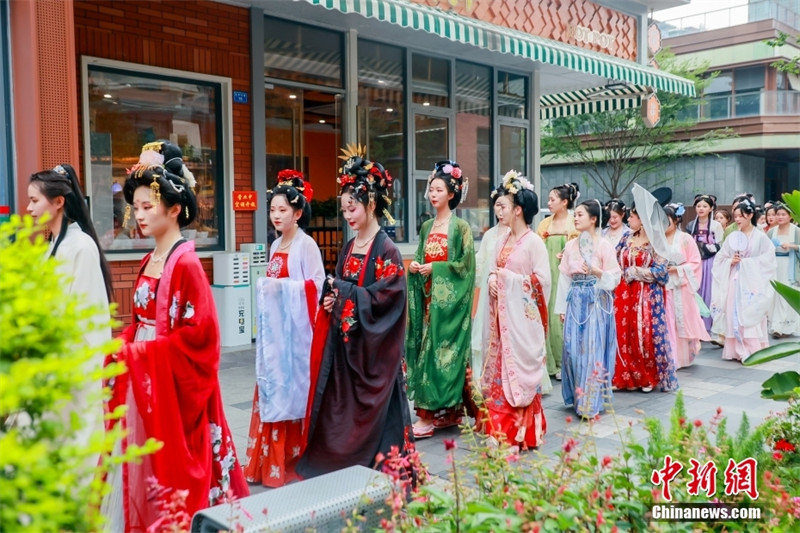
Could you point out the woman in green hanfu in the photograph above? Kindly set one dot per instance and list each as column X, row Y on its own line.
column 556, row 230
column 441, row 283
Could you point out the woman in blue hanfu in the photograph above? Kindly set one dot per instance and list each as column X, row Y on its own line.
column 589, row 273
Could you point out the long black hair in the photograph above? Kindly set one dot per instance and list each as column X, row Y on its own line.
column 63, row 181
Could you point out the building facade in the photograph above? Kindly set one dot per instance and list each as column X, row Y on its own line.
column 247, row 88
column 759, row 104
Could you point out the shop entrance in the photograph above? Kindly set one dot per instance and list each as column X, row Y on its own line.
column 304, row 132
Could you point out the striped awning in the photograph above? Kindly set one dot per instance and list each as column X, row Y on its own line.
column 463, row 29
column 594, row 100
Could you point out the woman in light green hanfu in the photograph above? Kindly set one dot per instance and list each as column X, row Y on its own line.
column 556, row 230
column 441, row 283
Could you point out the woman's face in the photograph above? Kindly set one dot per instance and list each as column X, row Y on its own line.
column 782, row 217
column 554, row 202
column 703, row 208
column 742, row 220
column 614, row 220
column 154, row 220
column 634, row 221
column 38, row 205
column 281, row 213
column 584, row 222
column 771, row 220
column 438, row 194
column 506, row 211
column 721, row 218
column 354, row 212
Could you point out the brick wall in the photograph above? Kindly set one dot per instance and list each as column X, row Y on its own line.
column 203, row 37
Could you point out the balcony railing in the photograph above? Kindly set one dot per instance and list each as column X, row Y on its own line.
column 761, row 103
column 731, row 16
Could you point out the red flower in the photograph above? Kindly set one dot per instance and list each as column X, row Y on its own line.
column 378, row 268
column 308, row 190
column 450, row 444
column 777, row 456
column 570, row 444
column 681, row 421
column 345, row 327
column 785, row 446
column 353, row 265
column 697, row 423
column 569, row 419
column 606, row 461
column 289, row 174
column 390, row 271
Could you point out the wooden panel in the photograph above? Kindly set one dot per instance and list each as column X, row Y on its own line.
column 577, row 22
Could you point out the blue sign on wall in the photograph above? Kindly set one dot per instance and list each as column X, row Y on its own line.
column 240, row 97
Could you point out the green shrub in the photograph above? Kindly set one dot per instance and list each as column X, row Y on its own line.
column 48, row 481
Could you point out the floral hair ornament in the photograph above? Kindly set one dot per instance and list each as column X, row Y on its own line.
column 449, row 168
column 513, row 182
column 679, row 208
column 290, row 177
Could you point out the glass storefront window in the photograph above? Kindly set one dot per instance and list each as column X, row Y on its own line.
column 513, row 149
column 301, row 53
column 381, row 119
column 430, row 81
column 512, row 95
column 431, row 141
column 473, row 141
column 129, row 109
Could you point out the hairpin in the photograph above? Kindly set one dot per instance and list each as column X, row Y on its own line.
column 155, row 190
column 127, row 216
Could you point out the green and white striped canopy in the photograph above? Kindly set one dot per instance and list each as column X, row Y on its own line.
column 592, row 100
column 495, row 38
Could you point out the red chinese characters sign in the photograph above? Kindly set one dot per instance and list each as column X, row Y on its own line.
column 245, row 200
column 579, row 22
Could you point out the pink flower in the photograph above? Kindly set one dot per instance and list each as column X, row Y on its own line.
column 570, row 444
column 606, row 461
column 447, row 169
column 450, row 444
column 512, row 458
column 456, row 172
column 519, row 507
column 578, row 392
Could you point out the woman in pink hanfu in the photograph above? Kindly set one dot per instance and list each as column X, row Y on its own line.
column 518, row 287
column 684, row 323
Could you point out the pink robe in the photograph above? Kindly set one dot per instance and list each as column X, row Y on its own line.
column 515, row 359
column 684, row 323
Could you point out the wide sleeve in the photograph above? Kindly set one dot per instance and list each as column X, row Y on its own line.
column 192, row 340
column 313, row 269
column 718, row 231
column 690, row 272
column 755, row 273
column 564, row 282
column 720, row 273
column 610, row 267
column 544, row 226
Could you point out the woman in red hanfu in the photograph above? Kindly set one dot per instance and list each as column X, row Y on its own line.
column 171, row 351
column 286, row 305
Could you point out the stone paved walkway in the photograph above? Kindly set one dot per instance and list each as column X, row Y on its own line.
column 708, row 384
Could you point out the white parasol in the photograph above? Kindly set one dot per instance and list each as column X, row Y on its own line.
column 654, row 219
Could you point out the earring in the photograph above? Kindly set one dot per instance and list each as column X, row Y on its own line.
column 186, row 210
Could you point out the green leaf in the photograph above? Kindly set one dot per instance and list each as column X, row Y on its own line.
column 792, row 201
column 788, row 293
column 781, row 385
column 777, row 351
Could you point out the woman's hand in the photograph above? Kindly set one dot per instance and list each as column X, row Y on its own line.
column 413, row 267
column 561, row 316
column 736, row 259
column 673, row 270
column 327, row 302
column 425, row 269
column 493, row 285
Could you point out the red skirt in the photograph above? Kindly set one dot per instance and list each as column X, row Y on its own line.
column 524, row 427
column 273, row 449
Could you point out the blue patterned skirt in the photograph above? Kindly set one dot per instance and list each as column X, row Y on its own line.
column 590, row 347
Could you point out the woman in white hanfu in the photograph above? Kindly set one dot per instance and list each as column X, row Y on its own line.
column 287, row 306
column 784, row 320
column 685, row 325
column 741, row 294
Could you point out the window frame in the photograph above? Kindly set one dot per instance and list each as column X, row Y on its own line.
column 227, row 215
